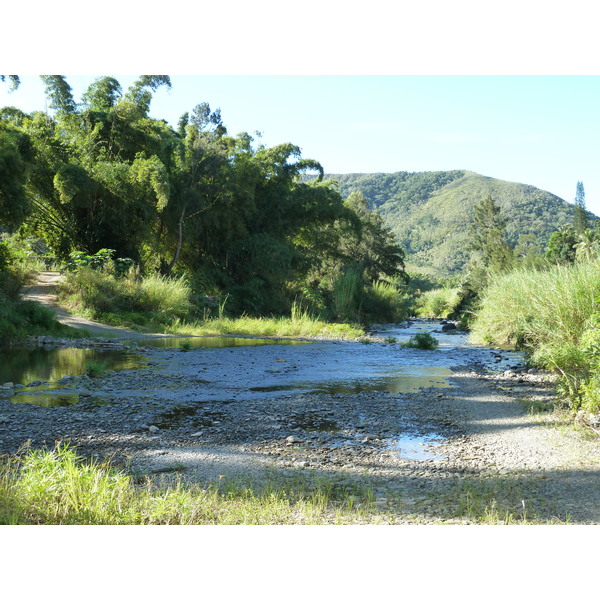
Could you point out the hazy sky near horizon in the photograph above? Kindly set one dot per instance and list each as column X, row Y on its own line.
column 538, row 130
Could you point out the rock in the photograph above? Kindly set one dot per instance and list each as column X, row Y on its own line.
column 9, row 385
column 153, row 429
column 291, row 440
column 65, row 379
column 448, row 326
column 197, row 434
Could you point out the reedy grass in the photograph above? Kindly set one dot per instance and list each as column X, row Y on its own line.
column 306, row 327
column 102, row 292
column 552, row 306
column 59, row 487
column 158, row 304
column 553, row 314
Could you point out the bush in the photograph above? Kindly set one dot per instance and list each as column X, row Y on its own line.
column 385, row 302
column 423, row 341
column 553, row 314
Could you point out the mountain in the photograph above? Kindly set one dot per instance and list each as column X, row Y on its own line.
column 430, row 212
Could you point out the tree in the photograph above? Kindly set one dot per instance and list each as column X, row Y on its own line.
column 60, row 93
column 580, row 220
column 488, row 236
column 15, row 81
column 587, row 246
column 15, row 163
column 561, row 245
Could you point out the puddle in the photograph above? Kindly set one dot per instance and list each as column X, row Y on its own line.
column 50, row 400
column 417, row 447
column 314, row 423
column 24, row 365
column 216, row 342
column 400, row 381
column 198, row 416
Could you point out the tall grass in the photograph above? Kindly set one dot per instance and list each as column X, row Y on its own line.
column 99, row 292
column 533, row 308
column 305, row 326
column 554, row 314
column 386, row 302
column 347, row 292
column 59, row 487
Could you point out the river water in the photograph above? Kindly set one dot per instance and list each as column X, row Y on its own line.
column 229, row 369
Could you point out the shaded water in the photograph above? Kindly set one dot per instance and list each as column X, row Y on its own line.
column 24, row 365
column 50, row 397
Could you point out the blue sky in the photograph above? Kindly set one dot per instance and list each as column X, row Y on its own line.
column 538, row 130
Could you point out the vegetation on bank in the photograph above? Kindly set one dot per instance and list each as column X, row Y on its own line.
column 157, row 303
column 553, row 314
column 59, row 487
column 19, row 318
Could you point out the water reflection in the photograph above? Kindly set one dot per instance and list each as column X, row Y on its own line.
column 24, row 365
column 216, row 342
column 417, row 447
column 399, row 381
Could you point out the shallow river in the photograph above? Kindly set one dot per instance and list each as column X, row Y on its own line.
column 221, row 370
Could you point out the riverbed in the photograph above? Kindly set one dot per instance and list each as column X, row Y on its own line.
column 404, row 421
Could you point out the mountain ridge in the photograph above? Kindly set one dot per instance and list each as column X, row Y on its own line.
column 430, row 211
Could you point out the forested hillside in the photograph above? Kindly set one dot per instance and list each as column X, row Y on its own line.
column 431, row 212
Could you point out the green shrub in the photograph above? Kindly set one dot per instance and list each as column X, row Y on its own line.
column 95, row 369
column 423, row 341
column 385, row 302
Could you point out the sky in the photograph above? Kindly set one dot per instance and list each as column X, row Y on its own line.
column 538, row 130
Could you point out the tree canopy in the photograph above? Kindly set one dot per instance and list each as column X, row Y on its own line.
column 233, row 217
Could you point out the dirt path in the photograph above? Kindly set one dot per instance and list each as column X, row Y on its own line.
column 44, row 292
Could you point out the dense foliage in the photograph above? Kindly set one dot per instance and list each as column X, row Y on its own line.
column 234, row 218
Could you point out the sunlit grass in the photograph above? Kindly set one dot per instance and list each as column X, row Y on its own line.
column 268, row 326
column 59, row 487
